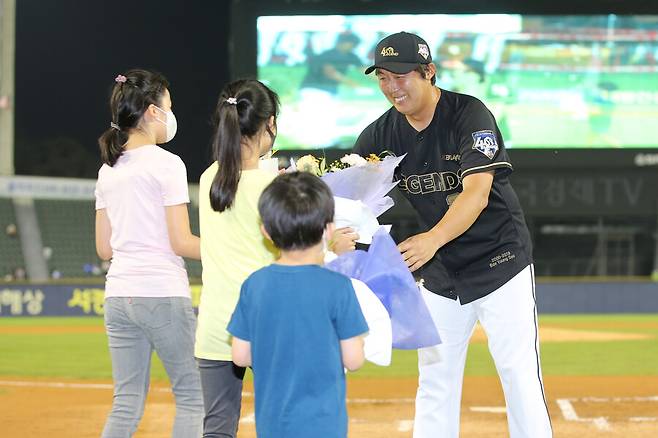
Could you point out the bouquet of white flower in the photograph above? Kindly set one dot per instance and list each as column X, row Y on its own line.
column 359, row 185
column 389, row 297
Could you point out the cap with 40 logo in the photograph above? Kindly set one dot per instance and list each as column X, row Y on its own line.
column 401, row 53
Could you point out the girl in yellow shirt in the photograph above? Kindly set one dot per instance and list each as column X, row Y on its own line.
column 232, row 246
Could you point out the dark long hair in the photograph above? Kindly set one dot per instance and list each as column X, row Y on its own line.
column 128, row 102
column 253, row 106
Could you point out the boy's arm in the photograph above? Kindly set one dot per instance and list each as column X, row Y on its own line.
column 241, row 351
column 352, row 352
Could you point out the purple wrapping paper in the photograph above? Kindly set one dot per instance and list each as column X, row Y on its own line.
column 384, row 271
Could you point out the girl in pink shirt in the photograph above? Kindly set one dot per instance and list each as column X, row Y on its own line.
column 142, row 226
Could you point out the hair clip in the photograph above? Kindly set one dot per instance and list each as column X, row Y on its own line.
column 115, row 126
column 232, row 101
column 120, row 78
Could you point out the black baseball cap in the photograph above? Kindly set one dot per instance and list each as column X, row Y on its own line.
column 401, row 53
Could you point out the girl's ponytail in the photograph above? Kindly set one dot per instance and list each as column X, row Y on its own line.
column 244, row 107
column 111, row 145
column 131, row 96
column 228, row 152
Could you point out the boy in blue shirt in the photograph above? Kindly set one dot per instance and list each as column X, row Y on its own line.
column 296, row 323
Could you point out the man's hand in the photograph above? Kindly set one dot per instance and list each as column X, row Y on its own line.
column 343, row 240
column 463, row 212
column 419, row 249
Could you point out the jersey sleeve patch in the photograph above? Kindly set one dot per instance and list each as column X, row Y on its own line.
column 485, row 142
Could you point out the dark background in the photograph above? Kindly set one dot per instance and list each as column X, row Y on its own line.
column 68, row 53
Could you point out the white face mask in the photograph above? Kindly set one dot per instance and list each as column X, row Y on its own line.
column 171, row 124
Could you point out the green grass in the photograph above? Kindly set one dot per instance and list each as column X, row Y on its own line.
column 613, row 321
column 85, row 355
column 610, row 358
column 57, row 321
column 66, row 355
column 82, row 355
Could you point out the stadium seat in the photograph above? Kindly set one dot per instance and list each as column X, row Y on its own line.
column 11, row 254
column 67, row 227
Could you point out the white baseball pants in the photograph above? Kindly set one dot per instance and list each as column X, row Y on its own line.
column 509, row 318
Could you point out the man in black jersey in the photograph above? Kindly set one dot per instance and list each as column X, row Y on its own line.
column 475, row 257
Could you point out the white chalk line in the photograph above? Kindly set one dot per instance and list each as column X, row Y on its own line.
column 108, row 386
column 72, row 385
column 569, row 412
column 248, row 419
column 565, row 404
column 20, row 383
column 616, row 399
column 380, row 401
column 405, row 425
column 489, row 409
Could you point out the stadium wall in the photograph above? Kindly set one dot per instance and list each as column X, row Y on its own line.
column 552, row 298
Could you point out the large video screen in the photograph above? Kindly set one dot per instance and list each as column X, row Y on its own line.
column 551, row 81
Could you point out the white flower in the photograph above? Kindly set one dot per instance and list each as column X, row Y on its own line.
column 354, row 160
column 308, row 163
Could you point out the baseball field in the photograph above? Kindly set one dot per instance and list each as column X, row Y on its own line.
column 600, row 374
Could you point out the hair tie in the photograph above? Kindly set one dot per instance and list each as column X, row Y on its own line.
column 115, row 126
column 232, row 101
column 120, row 78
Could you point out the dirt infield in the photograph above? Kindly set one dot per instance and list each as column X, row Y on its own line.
column 613, row 407
column 546, row 333
column 559, row 334
column 580, row 407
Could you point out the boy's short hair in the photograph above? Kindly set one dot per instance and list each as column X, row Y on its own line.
column 295, row 209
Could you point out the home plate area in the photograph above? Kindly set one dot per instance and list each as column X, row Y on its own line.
column 576, row 417
column 580, row 407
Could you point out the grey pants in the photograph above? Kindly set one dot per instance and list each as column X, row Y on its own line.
column 221, row 382
column 135, row 328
